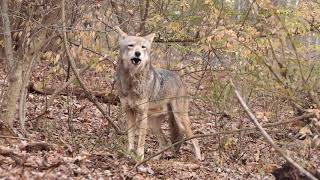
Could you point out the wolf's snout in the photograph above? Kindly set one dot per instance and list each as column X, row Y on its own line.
column 137, row 53
column 136, row 60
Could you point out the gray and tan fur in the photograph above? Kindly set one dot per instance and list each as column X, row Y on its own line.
column 148, row 94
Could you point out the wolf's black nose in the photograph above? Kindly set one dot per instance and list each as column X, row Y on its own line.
column 137, row 53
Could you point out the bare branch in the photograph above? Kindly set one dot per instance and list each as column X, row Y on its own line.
column 267, row 136
column 23, row 95
column 76, row 73
column 57, row 91
column 314, row 97
column 195, row 40
column 246, row 16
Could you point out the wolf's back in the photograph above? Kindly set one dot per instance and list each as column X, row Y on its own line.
column 167, row 84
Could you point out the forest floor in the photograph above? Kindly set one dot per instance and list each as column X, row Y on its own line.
column 76, row 141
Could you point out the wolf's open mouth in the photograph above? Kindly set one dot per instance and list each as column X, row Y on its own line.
column 135, row 61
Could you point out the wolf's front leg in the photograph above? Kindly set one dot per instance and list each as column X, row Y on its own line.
column 131, row 129
column 142, row 130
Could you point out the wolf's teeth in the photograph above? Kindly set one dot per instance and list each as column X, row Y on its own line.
column 135, row 61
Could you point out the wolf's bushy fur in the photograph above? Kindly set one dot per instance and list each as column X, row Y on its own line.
column 148, row 94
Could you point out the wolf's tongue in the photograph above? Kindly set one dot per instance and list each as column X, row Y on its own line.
column 135, row 61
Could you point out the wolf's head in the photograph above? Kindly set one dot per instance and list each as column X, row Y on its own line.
column 134, row 50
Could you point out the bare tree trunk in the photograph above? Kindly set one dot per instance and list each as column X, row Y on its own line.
column 144, row 10
column 31, row 54
column 8, row 108
column 7, row 35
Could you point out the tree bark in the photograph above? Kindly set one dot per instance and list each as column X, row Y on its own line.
column 7, row 35
column 144, row 10
column 11, row 95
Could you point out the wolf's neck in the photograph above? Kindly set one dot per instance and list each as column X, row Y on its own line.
column 140, row 72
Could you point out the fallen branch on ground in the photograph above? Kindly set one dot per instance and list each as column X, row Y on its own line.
column 102, row 97
column 17, row 157
column 36, row 146
column 14, row 137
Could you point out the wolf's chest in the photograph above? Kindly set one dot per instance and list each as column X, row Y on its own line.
column 135, row 90
column 135, row 87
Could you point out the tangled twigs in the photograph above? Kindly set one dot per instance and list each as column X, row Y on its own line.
column 267, row 136
column 76, row 73
column 57, row 91
column 103, row 98
column 299, row 118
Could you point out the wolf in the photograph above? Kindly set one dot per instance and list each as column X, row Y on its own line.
column 147, row 95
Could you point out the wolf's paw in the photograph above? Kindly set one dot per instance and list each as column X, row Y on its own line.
column 139, row 158
column 200, row 158
column 132, row 156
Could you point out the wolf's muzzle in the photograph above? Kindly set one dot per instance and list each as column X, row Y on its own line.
column 135, row 61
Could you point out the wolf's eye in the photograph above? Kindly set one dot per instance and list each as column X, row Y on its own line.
column 130, row 45
column 143, row 47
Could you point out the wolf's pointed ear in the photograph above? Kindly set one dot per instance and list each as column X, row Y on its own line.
column 149, row 37
column 120, row 32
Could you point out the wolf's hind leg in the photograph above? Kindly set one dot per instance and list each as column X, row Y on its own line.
column 182, row 121
column 155, row 125
column 196, row 148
